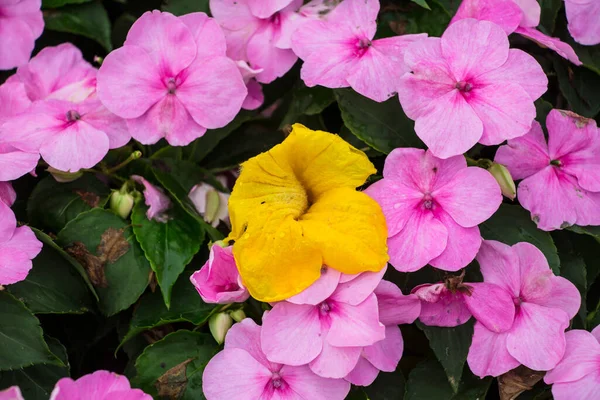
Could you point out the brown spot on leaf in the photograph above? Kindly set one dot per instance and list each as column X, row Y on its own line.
column 173, row 383
column 580, row 122
column 517, row 381
column 113, row 245
column 92, row 264
column 89, row 198
column 152, row 281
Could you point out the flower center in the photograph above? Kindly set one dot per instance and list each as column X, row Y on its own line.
column 324, row 308
column 428, row 201
column 463, row 86
column 275, row 19
column 517, row 301
column 276, row 380
column 362, row 45
column 556, row 163
column 171, row 85
column 73, row 116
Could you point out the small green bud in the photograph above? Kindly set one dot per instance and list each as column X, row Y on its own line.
column 504, row 179
column 238, row 315
column 121, row 202
column 64, row 177
column 219, row 325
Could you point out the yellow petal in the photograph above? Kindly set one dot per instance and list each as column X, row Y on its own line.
column 349, row 228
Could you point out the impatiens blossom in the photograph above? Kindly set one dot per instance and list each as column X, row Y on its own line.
column 156, row 200
column 297, row 206
column 18, row 246
column 583, row 25
column 12, row 393
column 7, row 193
column 100, row 385
column 432, row 208
column 577, row 375
column 468, row 87
column 340, row 51
column 21, row 23
column 210, row 202
column 561, row 178
column 544, row 304
column 255, row 97
column 259, row 32
column 242, row 372
column 172, row 79
column 218, row 281
column 326, row 326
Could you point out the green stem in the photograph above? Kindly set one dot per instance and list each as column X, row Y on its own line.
column 134, row 156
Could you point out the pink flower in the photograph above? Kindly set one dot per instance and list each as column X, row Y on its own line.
column 100, row 385
column 156, row 200
column 462, row 91
column 394, row 309
column 583, row 25
column 18, row 246
column 432, row 208
column 544, row 305
column 7, row 193
column 243, row 372
column 561, row 179
column 327, row 325
column 255, row 97
column 172, row 79
column 340, row 51
column 577, row 375
column 259, row 31
column 218, row 281
column 211, row 203
column 21, row 23
column 12, row 393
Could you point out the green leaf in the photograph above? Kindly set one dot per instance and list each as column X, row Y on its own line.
column 542, row 109
column 88, row 19
column 451, row 346
column 580, row 86
column 593, row 231
column 60, row 3
column 169, row 246
column 307, row 101
column 181, row 7
column 387, row 386
column 383, row 126
column 118, row 268
column 573, row 268
column 550, row 10
column 513, row 224
column 450, row 6
column 21, row 337
column 422, row 3
column 182, row 354
column 53, row 285
column 53, row 204
column 37, row 382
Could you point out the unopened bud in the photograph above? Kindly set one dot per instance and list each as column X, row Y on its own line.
column 219, row 324
column 212, row 205
column 238, row 315
column 121, row 202
column 64, row 177
column 504, row 179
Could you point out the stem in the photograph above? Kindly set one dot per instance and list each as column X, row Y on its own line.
column 134, row 156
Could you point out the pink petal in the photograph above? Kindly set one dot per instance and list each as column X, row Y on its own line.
column 355, row 325
column 583, row 22
column 584, row 388
column 7, row 194
column 531, row 12
column 355, row 291
column 488, row 354
column 14, row 265
column 157, row 201
column 582, row 355
column 363, row 374
column 263, row 54
column 357, row 15
column 499, row 265
column 232, row 14
column 394, row 307
column 596, row 333
column 504, row 13
column 292, row 334
column 14, row 100
column 17, row 43
column 562, row 294
column 9, row 222
column 255, row 97
column 266, row 8
column 385, row 354
column 320, row 290
column 289, row 22
column 24, row 240
column 12, row 393
column 15, row 163
column 440, row 307
column 335, row 362
column 208, row 35
column 535, row 272
column 103, row 120
column 491, row 305
column 563, row 49
column 537, row 338
column 246, row 336
column 311, row 386
column 99, row 385
column 526, row 155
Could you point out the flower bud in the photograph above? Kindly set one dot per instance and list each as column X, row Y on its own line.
column 212, row 206
column 219, row 324
column 238, row 315
column 121, row 202
column 504, row 179
column 64, row 177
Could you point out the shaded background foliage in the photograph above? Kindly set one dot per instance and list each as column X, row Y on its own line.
column 147, row 321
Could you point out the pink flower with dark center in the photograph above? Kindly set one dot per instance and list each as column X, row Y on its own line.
column 468, row 87
column 584, row 24
column 242, row 372
column 340, row 51
column 21, row 23
column 100, row 385
column 561, row 178
column 544, row 304
column 156, row 200
column 432, row 208
column 12, row 393
column 172, row 79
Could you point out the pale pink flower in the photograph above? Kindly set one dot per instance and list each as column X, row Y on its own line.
column 468, row 87
column 561, row 178
column 544, row 305
column 100, row 385
column 432, row 208
column 218, row 281
column 211, row 203
column 172, row 79
column 340, row 51
column 577, row 375
column 7, row 193
column 156, row 200
column 12, row 393
column 242, row 372
column 327, row 325
column 21, row 23
column 259, row 33
column 255, row 97
column 584, row 21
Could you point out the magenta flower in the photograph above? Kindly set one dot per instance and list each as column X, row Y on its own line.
column 463, row 91
column 7, row 193
column 577, row 375
column 156, row 200
column 561, row 179
column 21, row 23
column 218, row 281
column 327, row 325
column 340, row 51
column 544, row 305
column 583, row 25
column 172, row 79
column 432, row 208
column 255, row 97
column 243, row 372
column 100, row 385
column 259, row 32
column 12, row 393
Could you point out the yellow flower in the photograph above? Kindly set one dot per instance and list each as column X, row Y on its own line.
column 295, row 208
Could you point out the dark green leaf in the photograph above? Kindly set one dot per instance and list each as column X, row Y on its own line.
column 450, row 6
column 422, row 3
column 53, row 204
column 382, row 126
column 21, row 337
column 181, row 7
column 573, row 268
column 451, row 346
column 542, row 108
column 580, row 86
column 175, row 153
column 513, row 224
column 593, row 231
column 307, row 101
column 120, row 269
column 88, row 19
column 550, row 10
column 387, row 386
column 120, row 29
column 60, row 3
